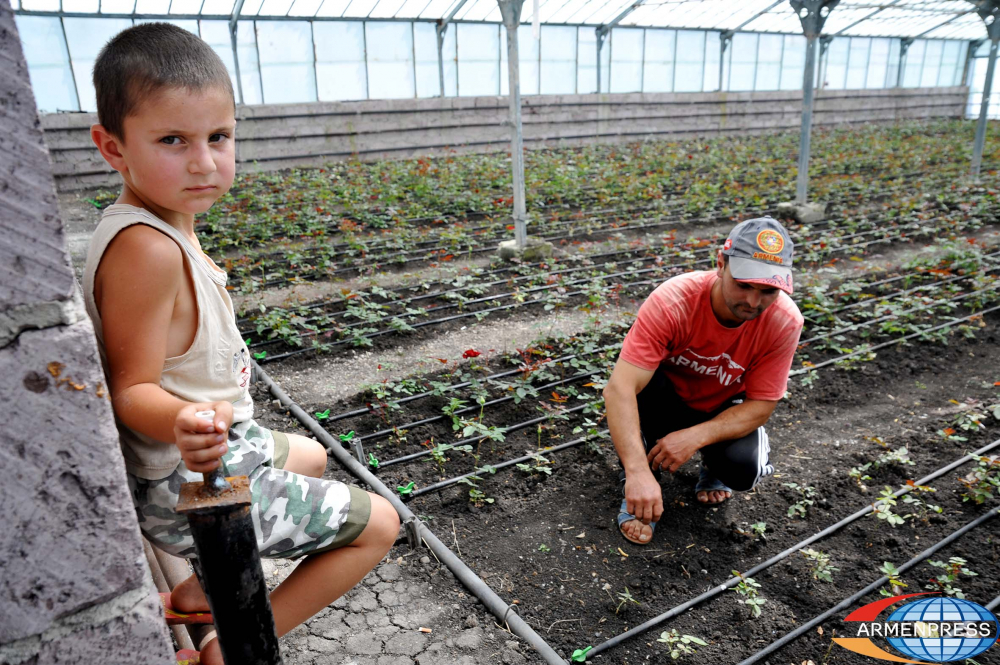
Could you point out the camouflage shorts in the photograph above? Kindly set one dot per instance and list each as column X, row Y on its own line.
column 293, row 515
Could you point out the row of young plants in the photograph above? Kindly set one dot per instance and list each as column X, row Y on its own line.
column 295, row 261
column 751, row 170
column 359, row 317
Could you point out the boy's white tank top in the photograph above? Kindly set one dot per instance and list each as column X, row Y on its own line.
column 215, row 368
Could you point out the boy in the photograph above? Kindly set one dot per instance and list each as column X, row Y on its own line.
column 169, row 342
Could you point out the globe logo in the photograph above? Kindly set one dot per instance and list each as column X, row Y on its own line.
column 932, row 646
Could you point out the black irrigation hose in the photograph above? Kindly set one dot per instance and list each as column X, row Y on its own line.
column 733, row 581
column 992, row 605
column 503, row 611
column 897, row 340
column 502, row 465
column 847, row 602
column 464, row 384
column 896, row 315
column 381, row 434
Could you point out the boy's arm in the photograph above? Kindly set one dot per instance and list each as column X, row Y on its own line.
column 141, row 275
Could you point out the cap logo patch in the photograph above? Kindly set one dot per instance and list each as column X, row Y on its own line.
column 770, row 241
column 728, row 244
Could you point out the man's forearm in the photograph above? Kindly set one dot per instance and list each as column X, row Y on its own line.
column 626, row 435
column 735, row 422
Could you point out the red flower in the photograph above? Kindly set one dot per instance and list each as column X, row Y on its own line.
column 471, row 353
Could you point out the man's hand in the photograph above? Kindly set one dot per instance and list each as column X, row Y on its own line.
column 673, row 450
column 643, row 497
column 202, row 442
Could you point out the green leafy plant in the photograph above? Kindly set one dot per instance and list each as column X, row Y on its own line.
column 953, row 569
column 819, row 565
column 883, row 508
column 680, row 645
column 982, row 481
column 800, row 507
column 624, row 598
column 544, row 548
column 896, row 585
column 748, row 589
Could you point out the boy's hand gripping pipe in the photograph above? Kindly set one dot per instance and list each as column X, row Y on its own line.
column 228, row 566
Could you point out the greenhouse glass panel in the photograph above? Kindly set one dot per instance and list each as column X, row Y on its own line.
column 527, row 55
column 390, row 66
column 586, row 66
column 658, row 61
column 689, row 72
column 878, row 63
column 341, row 73
column 386, row 8
column 836, row 64
column 769, row 49
column 40, row 5
column 950, row 68
column 188, row 7
column 331, row 7
column 217, row 7
column 117, row 6
column 712, row 55
column 558, row 60
column 857, row 63
column 305, row 8
column 449, row 52
column 272, row 7
column 626, row 60
column 48, row 63
column 478, row 59
column 246, row 50
column 81, row 6
column 287, row 63
column 216, row 35
column 85, row 39
column 932, row 64
column 152, row 6
column 913, row 63
column 892, row 71
column 425, row 50
column 360, row 8
column 743, row 61
column 793, row 62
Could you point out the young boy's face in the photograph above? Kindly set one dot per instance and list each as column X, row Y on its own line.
column 179, row 148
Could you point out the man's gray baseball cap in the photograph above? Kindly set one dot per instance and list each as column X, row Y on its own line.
column 760, row 252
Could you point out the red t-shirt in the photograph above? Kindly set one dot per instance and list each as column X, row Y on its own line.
column 707, row 362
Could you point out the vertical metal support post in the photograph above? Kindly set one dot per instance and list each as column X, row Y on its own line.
column 904, row 48
column 812, row 15
column 725, row 40
column 69, row 59
column 601, row 36
column 970, row 56
column 989, row 11
column 440, row 30
column 510, row 10
column 230, row 570
column 808, row 90
column 824, row 49
column 984, row 107
column 236, row 61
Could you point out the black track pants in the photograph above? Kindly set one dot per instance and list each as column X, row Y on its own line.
column 739, row 464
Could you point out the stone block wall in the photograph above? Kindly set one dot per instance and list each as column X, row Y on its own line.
column 74, row 586
column 276, row 136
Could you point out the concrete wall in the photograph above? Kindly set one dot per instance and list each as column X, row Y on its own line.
column 74, row 586
column 279, row 136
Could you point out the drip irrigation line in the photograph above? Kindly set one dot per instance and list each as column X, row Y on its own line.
column 480, row 589
column 519, row 460
column 733, row 581
column 892, row 341
column 992, row 605
column 847, row 602
column 465, row 384
column 474, row 439
column 890, row 317
column 381, row 434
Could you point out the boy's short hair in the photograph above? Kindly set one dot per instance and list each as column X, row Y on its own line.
column 145, row 58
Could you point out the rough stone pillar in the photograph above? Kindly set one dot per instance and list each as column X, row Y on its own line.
column 74, row 586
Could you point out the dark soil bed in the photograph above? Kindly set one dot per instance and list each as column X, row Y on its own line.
column 548, row 542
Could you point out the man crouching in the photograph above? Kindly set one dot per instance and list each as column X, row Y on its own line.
column 702, row 368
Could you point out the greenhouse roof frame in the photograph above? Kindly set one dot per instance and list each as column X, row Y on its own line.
column 925, row 19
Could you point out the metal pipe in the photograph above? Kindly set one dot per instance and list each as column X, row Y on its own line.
column 984, row 107
column 847, row 602
column 503, row 611
column 440, row 30
column 511, row 11
column 808, row 91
